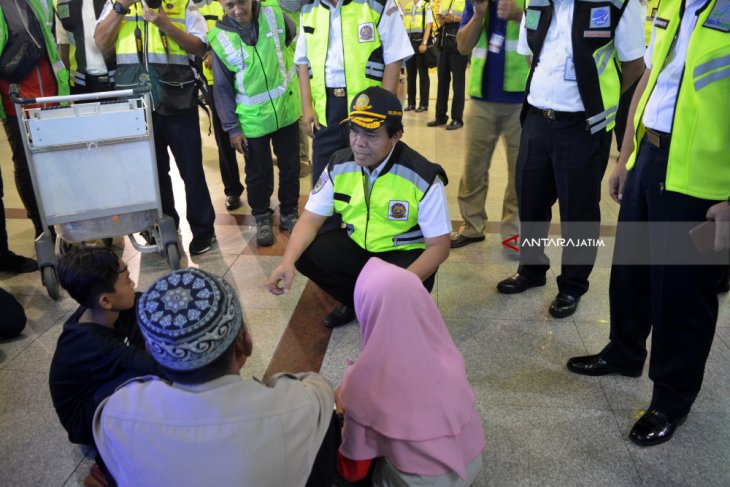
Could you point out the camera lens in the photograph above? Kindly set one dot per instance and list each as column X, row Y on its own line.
column 154, row 3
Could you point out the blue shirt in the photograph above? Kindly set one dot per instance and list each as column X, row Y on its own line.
column 494, row 68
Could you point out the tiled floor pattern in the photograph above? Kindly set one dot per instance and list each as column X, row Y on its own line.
column 543, row 425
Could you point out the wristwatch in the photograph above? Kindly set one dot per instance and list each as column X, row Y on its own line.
column 120, row 9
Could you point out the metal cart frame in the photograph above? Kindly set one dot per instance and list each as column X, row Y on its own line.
column 82, row 180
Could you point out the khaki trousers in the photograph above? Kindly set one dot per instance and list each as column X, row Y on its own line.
column 485, row 122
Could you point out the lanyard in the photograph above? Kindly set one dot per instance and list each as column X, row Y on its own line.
column 139, row 42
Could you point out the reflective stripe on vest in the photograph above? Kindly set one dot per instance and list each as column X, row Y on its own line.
column 698, row 154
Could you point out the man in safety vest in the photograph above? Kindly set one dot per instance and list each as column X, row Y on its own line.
column 672, row 174
column 489, row 30
column 257, row 98
column 154, row 40
column 212, row 11
column 343, row 48
column 392, row 202
column 584, row 54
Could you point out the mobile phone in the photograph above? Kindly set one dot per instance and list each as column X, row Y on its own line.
column 703, row 236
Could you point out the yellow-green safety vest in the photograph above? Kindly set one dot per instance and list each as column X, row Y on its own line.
column 362, row 50
column 415, row 21
column 699, row 164
column 44, row 14
column 651, row 9
column 516, row 69
column 265, row 81
column 387, row 219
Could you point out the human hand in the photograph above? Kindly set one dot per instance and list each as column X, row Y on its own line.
column 481, row 7
column 616, row 182
column 422, row 48
column 156, row 17
column 338, row 401
column 506, row 9
column 449, row 18
column 239, row 143
column 720, row 213
column 208, row 60
column 309, row 121
column 279, row 282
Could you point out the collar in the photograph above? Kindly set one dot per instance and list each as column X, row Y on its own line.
column 221, row 381
column 379, row 169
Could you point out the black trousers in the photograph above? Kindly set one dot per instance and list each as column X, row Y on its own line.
column 226, row 154
column 416, row 66
column 12, row 319
column 324, row 468
column 559, row 160
column 331, row 138
column 181, row 134
column 333, row 261
column 23, row 181
column 451, row 66
column 260, row 171
column 678, row 302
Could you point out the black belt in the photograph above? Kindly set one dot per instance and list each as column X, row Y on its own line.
column 554, row 115
column 336, row 92
column 658, row 139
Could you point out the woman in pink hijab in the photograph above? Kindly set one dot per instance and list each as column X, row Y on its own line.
column 406, row 400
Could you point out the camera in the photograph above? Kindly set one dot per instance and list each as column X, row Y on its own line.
column 154, row 3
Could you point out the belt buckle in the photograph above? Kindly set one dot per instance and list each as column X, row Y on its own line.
column 339, row 92
column 653, row 138
column 549, row 114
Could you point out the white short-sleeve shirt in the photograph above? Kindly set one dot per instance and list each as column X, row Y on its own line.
column 433, row 210
column 549, row 88
column 95, row 64
column 393, row 37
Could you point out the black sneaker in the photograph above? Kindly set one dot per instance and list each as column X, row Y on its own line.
column 287, row 222
column 201, row 245
column 17, row 264
column 264, row 230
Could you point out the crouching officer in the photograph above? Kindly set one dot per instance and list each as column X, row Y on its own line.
column 392, row 202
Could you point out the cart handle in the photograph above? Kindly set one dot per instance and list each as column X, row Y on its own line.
column 81, row 97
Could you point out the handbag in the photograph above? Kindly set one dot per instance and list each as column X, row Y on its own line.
column 447, row 34
column 432, row 55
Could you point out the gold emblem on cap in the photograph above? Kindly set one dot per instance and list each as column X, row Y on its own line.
column 362, row 103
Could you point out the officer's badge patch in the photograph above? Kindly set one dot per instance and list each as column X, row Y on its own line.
column 600, row 18
column 366, row 32
column 397, row 210
column 532, row 19
column 719, row 18
column 62, row 10
column 320, row 182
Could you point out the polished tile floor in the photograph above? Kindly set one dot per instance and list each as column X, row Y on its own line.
column 543, row 425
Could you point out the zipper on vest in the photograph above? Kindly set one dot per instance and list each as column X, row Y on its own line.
column 367, row 206
column 268, row 89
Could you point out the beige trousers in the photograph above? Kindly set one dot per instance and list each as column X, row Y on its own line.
column 485, row 122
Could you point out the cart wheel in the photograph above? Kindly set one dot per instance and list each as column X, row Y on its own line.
column 107, row 242
column 50, row 281
column 173, row 256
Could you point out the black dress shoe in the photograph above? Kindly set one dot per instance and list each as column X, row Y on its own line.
column 454, row 125
column 595, row 365
column 409, row 108
column 339, row 316
column 421, row 109
column 458, row 240
column 233, row 202
column 436, row 122
column 17, row 264
column 563, row 305
column 723, row 287
column 654, row 428
column 519, row 283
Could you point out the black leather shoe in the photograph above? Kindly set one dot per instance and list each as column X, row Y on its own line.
column 409, row 108
column 436, row 122
column 518, row 283
column 723, row 287
column 233, row 202
column 458, row 240
column 454, row 125
column 654, row 428
column 595, row 365
column 563, row 305
column 421, row 109
column 17, row 264
column 339, row 316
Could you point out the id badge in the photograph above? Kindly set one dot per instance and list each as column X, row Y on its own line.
column 495, row 43
column 569, row 70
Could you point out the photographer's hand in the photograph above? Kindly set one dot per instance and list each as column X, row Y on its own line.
column 239, row 143
column 157, row 17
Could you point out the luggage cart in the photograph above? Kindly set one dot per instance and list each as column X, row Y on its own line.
column 94, row 173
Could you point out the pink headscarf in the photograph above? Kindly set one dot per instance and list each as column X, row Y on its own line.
column 407, row 397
